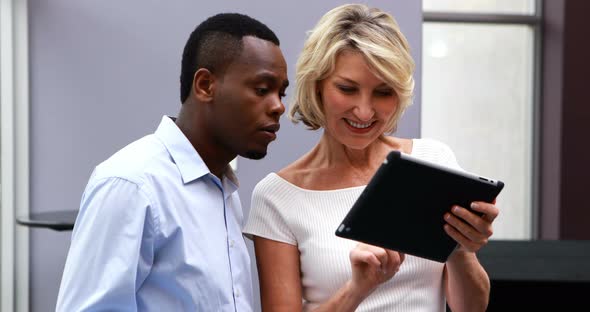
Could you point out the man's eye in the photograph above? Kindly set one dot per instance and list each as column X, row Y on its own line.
column 282, row 95
column 261, row 91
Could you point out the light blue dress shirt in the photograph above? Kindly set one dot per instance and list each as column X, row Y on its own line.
column 157, row 231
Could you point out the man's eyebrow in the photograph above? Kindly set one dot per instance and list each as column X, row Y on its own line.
column 266, row 76
column 271, row 78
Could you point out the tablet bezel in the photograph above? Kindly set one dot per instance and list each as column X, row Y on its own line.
column 412, row 228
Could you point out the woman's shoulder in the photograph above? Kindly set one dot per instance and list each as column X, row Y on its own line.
column 430, row 146
column 269, row 182
column 275, row 187
column 418, row 146
column 273, row 193
column 434, row 150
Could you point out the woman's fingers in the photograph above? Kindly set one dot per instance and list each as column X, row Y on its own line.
column 358, row 256
column 470, row 224
column 471, row 228
column 465, row 242
column 489, row 211
column 395, row 259
column 466, row 230
column 387, row 261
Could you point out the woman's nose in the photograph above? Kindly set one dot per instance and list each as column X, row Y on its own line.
column 364, row 110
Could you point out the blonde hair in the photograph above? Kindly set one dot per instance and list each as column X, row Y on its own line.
column 352, row 27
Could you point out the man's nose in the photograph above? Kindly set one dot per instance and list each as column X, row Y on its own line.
column 277, row 107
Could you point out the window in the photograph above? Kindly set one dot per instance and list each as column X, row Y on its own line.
column 480, row 84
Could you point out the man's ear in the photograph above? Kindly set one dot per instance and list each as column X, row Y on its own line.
column 204, row 85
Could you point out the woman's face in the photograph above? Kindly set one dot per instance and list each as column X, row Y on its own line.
column 356, row 103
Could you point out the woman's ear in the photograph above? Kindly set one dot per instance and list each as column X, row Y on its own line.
column 204, row 85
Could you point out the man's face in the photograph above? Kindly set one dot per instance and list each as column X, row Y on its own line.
column 247, row 100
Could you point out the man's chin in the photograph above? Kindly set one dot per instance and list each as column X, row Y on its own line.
column 254, row 154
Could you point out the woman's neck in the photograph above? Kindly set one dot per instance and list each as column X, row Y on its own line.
column 331, row 153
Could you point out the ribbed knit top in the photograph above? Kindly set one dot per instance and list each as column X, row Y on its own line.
column 308, row 219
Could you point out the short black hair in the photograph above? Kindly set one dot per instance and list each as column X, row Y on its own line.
column 215, row 43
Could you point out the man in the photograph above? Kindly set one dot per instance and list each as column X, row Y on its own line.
column 159, row 227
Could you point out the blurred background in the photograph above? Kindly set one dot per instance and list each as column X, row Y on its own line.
column 501, row 82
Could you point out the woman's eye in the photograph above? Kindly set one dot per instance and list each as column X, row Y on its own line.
column 384, row 92
column 346, row 89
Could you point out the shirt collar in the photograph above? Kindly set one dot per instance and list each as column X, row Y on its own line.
column 187, row 159
column 232, row 181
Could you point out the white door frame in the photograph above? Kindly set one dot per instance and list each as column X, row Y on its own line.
column 14, row 152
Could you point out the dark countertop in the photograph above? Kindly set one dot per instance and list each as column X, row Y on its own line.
column 537, row 260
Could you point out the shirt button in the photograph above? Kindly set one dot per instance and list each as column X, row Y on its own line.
column 231, row 243
column 237, row 293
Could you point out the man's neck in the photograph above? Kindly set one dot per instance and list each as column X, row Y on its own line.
column 200, row 138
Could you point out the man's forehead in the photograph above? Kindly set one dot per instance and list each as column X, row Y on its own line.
column 261, row 56
column 261, row 51
column 255, row 42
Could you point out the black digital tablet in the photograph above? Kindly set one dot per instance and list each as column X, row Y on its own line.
column 403, row 206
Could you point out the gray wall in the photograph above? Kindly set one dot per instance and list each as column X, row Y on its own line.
column 104, row 72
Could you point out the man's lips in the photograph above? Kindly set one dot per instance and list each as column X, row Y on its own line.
column 271, row 128
column 269, row 131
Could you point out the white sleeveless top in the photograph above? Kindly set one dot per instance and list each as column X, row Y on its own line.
column 284, row 212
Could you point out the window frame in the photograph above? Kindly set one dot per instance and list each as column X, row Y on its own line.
column 14, row 152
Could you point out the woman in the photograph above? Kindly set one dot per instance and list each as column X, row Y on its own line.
column 354, row 80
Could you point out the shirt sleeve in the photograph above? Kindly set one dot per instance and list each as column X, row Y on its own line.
column 111, row 250
column 267, row 214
